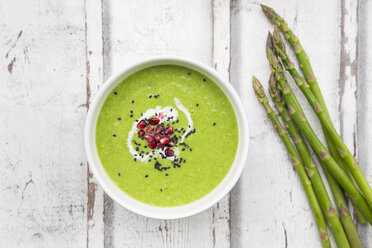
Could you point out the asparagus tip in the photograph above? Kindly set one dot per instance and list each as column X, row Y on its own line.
column 265, row 8
column 258, row 89
column 270, row 13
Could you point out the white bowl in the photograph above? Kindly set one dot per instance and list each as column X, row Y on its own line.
column 166, row 212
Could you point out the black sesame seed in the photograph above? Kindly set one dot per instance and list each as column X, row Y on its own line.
column 190, row 149
column 137, row 148
column 119, row 174
column 197, row 105
column 214, row 123
column 150, row 96
column 131, row 111
column 183, row 149
column 132, row 101
column 131, row 116
column 115, row 93
column 119, row 118
column 161, row 190
column 114, row 135
column 146, row 175
column 189, row 73
column 135, row 159
column 166, row 175
column 204, row 79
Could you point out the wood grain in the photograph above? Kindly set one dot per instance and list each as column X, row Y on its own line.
column 348, row 79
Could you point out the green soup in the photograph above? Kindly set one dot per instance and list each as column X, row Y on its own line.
column 167, row 135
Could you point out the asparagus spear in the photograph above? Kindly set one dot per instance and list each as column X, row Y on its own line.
column 315, row 178
column 306, row 184
column 289, row 66
column 321, row 152
column 317, row 101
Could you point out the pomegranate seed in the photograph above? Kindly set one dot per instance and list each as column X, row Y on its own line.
column 149, row 129
column 158, row 145
column 141, row 133
column 149, row 138
column 152, row 145
column 169, row 152
column 154, row 121
column 170, row 144
column 159, row 129
column 141, row 124
column 168, row 131
column 164, row 140
column 157, row 138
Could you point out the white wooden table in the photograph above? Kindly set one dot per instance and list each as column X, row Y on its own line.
column 55, row 55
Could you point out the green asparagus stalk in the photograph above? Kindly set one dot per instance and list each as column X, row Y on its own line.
column 334, row 153
column 322, row 229
column 321, row 152
column 300, row 81
column 315, row 178
column 316, row 100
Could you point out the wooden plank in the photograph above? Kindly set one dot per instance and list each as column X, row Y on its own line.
column 131, row 32
column 221, row 62
column 94, row 79
column 43, row 197
column 365, row 102
column 348, row 79
column 270, row 208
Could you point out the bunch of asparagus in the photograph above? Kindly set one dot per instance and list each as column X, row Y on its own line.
column 340, row 167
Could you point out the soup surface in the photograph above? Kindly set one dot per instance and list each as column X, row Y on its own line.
column 167, row 135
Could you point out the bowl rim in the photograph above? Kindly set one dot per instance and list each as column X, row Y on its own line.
column 177, row 211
